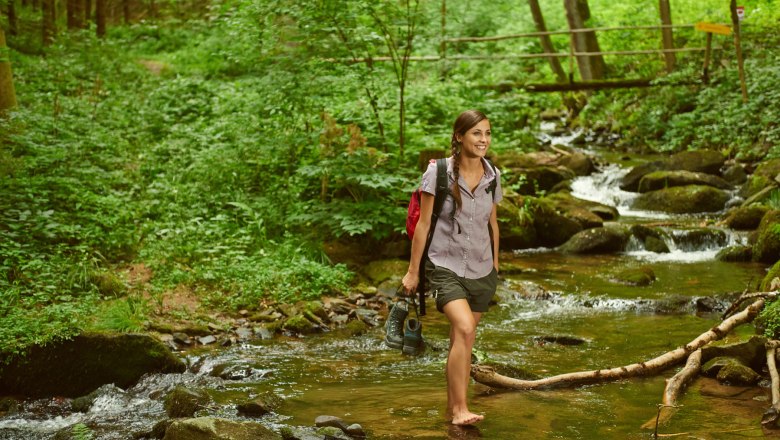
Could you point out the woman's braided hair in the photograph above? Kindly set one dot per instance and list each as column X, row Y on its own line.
column 465, row 122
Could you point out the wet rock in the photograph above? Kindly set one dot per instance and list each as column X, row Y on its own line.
column 772, row 273
column 750, row 353
column 653, row 239
column 206, row 340
column 244, row 333
column 337, row 306
column 597, row 241
column 561, row 340
column 745, row 218
column 79, row 366
column 299, row 433
column 581, row 164
column 356, row 431
column 159, row 428
column 637, row 276
column 212, row 428
column 368, row 316
column 333, row 433
column 701, row 161
column 738, row 375
column 184, row 402
column 511, row 371
column 8, row 406
column 232, row 371
column 757, row 188
column 84, row 403
column 683, row 200
column 734, row 174
column 263, row 333
column 533, row 291
column 630, row 182
column 356, row 327
column 543, row 178
column 708, row 304
column 299, row 324
column 699, row 238
column 712, row 367
column 665, row 179
column 737, row 253
column 333, row 421
column 259, row 405
column 767, row 246
column 181, row 338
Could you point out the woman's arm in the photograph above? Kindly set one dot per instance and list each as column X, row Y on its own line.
column 412, row 277
column 494, row 236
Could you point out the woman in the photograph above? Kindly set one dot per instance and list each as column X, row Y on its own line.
column 462, row 266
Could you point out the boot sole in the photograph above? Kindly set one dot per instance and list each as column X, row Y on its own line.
column 396, row 345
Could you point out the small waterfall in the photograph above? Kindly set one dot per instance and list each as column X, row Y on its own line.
column 604, row 187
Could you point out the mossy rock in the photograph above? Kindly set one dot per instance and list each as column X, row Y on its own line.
column 516, row 223
column 557, row 227
column 656, row 245
column 750, row 352
column 382, row 270
column 638, row 276
column 700, row 161
column 735, row 254
column 697, row 238
column 185, row 402
column 356, row 327
column 260, row 405
column 652, row 238
column 597, row 241
column 78, row 366
column 754, row 185
column 745, row 218
column 666, row 179
column 630, row 182
column 683, row 200
column 772, row 273
column 712, row 367
column 108, row 284
column 768, row 168
column 738, row 375
column 299, row 324
column 767, row 246
column 213, row 428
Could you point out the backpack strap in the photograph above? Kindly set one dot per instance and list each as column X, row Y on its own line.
column 442, row 189
column 492, row 189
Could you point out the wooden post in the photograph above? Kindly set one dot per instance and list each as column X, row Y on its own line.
column 740, row 63
column 705, row 74
column 547, row 45
column 666, row 32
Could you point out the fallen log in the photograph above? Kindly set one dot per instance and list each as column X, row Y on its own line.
column 772, row 414
column 486, row 375
column 674, row 388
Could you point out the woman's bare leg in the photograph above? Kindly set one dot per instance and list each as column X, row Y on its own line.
column 463, row 331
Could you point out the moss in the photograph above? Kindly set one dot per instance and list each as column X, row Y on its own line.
column 298, row 324
column 640, row 276
column 356, row 327
column 108, row 284
column 185, row 402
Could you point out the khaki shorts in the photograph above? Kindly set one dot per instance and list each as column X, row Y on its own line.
column 446, row 286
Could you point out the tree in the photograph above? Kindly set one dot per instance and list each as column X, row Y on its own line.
column 100, row 17
column 399, row 40
column 7, row 92
column 75, row 14
column 12, row 19
column 49, row 25
column 591, row 66
column 547, row 45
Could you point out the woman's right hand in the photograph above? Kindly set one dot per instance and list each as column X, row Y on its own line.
column 409, row 283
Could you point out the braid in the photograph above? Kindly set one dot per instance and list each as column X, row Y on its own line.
column 455, row 191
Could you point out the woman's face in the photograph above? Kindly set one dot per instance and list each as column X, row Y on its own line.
column 476, row 141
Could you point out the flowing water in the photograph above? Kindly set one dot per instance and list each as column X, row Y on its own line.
column 397, row 397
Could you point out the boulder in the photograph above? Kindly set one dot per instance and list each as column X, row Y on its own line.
column 751, row 352
column 699, row 238
column 260, row 405
column 767, row 246
column 665, row 179
column 735, row 174
column 213, row 428
column 185, row 402
column 543, row 178
column 597, row 240
column 79, row 366
column 638, row 276
column 654, row 239
column 738, row 375
column 772, row 273
column 700, row 161
column 745, row 218
column 735, row 254
column 382, row 270
column 683, row 200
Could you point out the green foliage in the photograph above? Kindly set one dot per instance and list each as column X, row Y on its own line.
column 80, row 431
column 769, row 319
column 123, row 315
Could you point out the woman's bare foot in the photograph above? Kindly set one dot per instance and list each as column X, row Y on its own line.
column 466, row 418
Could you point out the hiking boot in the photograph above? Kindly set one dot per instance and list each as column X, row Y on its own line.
column 394, row 327
column 413, row 341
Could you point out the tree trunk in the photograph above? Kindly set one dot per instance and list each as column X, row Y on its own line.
column 100, row 17
column 12, row 19
column 547, row 45
column 49, row 26
column 7, row 91
column 126, row 11
column 75, row 14
column 87, row 11
column 591, row 67
column 668, row 40
column 487, row 375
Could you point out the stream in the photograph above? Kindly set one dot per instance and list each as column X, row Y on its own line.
column 397, row 397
